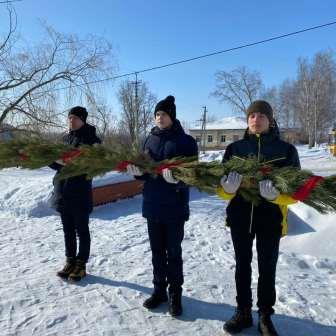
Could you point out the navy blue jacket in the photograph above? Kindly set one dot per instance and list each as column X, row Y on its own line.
column 74, row 193
column 267, row 147
column 162, row 200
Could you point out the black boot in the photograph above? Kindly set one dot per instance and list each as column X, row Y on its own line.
column 155, row 299
column 241, row 319
column 175, row 305
column 265, row 325
column 79, row 271
column 67, row 269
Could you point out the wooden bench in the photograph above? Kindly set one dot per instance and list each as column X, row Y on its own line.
column 113, row 192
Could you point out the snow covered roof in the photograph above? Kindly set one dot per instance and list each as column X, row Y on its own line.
column 231, row 123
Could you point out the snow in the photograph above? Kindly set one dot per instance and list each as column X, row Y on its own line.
column 33, row 301
column 212, row 155
column 26, row 192
column 227, row 123
column 317, row 160
column 110, row 178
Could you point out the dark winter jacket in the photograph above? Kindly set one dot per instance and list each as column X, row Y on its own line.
column 162, row 200
column 266, row 147
column 74, row 192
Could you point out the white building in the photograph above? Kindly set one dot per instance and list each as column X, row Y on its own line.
column 220, row 133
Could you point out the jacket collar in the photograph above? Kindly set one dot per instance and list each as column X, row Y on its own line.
column 86, row 129
column 270, row 136
column 175, row 129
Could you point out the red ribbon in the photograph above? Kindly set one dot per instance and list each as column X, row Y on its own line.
column 122, row 166
column 265, row 170
column 160, row 168
column 303, row 192
column 23, row 157
column 69, row 156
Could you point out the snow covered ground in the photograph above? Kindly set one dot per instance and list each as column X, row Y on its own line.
column 33, row 301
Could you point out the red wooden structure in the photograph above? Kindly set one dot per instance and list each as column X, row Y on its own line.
column 113, row 192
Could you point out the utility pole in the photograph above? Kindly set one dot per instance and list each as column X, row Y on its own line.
column 203, row 130
column 136, row 83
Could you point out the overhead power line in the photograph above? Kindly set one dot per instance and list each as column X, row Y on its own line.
column 9, row 1
column 242, row 46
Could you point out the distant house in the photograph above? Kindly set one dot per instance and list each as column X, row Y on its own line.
column 220, row 133
column 6, row 132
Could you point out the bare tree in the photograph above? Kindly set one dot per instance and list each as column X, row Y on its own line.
column 100, row 114
column 315, row 95
column 287, row 94
column 211, row 118
column 324, row 96
column 238, row 88
column 33, row 78
column 137, row 114
column 272, row 96
column 7, row 40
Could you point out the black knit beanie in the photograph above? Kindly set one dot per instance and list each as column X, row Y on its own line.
column 167, row 105
column 263, row 107
column 79, row 112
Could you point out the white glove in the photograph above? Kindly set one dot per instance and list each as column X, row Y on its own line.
column 61, row 162
column 267, row 190
column 168, row 176
column 231, row 183
column 133, row 170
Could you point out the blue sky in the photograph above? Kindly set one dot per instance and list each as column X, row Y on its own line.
column 151, row 33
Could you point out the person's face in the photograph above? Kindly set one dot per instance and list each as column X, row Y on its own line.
column 258, row 123
column 162, row 120
column 75, row 122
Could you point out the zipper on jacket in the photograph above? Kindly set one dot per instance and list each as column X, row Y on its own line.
column 252, row 206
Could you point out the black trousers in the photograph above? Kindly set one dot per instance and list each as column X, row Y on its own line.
column 165, row 241
column 267, row 244
column 76, row 223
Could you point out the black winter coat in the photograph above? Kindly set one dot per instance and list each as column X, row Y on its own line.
column 162, row 200
column 267, row 147
column 74, row 192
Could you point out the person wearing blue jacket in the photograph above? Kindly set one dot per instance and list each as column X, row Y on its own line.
column 166, row 206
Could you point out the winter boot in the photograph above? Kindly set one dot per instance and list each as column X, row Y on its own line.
column 155, row 299
column 79, row 271
column 67, row 269
column 175, row 306
column 241, row 319
column 265, row 325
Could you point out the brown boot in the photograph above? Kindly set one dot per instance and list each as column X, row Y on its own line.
column 79, row 271
column 67, row 269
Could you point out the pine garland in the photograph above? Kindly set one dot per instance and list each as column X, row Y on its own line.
column 288, row 180
column 98, row 160
column 317, row 192
column 30, row 153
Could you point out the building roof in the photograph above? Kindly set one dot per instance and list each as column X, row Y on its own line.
column 227, row 123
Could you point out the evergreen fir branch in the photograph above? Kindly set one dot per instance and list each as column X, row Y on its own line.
column 98, row 160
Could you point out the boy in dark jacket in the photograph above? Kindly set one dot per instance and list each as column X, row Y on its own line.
column 166, row 205
column 264, row 221
column 72, row 198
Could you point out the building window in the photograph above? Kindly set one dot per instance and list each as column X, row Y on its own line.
column 235, row 137
column 209, row 138
column 198, row 139
column 223, row 138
